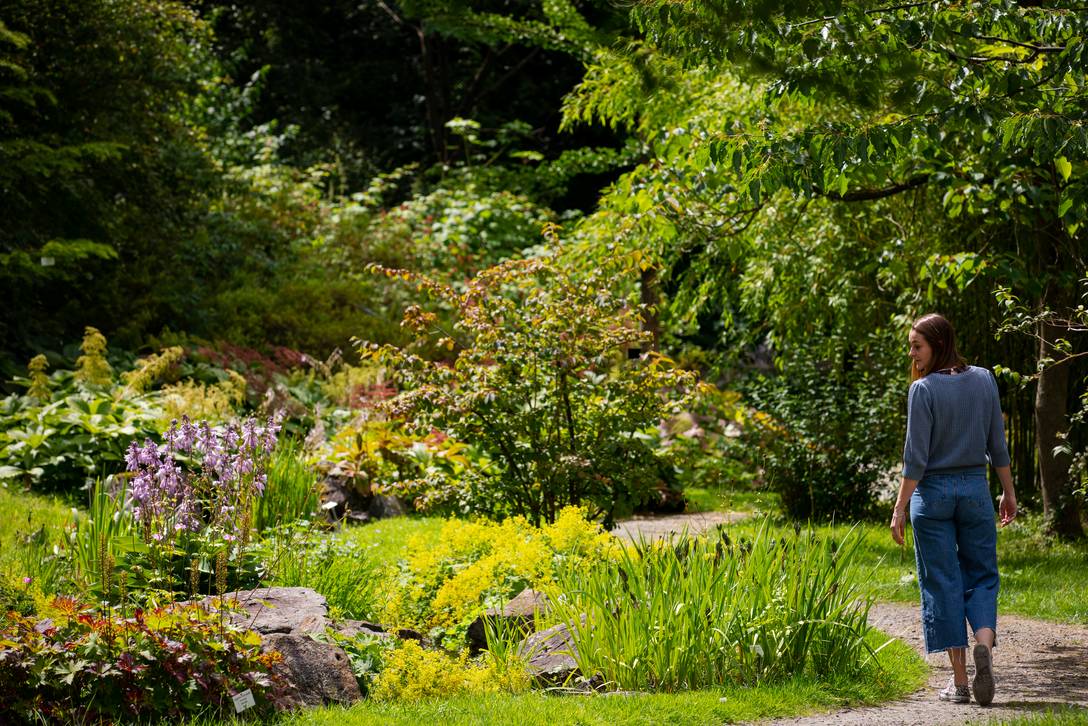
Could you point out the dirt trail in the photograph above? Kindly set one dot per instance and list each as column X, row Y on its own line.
column 1038, row 665
column 659, row 526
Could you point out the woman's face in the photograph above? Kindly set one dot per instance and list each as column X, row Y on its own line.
column 920, row 352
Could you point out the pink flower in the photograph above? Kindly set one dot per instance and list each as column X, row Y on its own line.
column 28, row 580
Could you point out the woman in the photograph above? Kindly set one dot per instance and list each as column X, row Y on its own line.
column 954, row 427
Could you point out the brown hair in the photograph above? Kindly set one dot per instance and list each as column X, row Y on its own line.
column 941, row 337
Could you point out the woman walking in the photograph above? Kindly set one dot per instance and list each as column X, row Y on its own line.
column 954, row 427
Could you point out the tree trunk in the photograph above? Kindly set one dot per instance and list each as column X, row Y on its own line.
column 1060, row 504
column 431, row 50
column 651, row 297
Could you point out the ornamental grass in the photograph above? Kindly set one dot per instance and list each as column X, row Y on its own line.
column 700, row 612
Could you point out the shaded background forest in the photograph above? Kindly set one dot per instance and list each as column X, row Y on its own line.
column 223, row 174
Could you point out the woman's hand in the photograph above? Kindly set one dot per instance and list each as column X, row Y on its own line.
column 1006, row 507
column 898, row 525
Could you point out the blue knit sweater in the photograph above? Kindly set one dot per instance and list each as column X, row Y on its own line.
column 953, row 422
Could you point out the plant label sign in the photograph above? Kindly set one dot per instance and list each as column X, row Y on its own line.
column 243, row 700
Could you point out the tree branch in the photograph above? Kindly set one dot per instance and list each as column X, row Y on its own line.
column 865, row 195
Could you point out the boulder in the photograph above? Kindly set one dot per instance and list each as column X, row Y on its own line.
column 280, row 610
column 518, row 612
column 549, row 655
column 384, row 507
column 320, row 673
column 342, row 501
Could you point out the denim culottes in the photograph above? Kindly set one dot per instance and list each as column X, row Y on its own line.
column 955, row 546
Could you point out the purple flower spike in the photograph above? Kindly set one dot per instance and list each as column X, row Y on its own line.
column 132, row 457
column 188, row 434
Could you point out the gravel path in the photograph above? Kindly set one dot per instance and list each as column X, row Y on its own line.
column 659, row 526
column 1038, row 665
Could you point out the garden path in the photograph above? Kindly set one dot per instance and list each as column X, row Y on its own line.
column 660, row 526
column 1038, row 666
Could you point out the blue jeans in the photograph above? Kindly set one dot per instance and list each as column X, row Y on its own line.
column 955, row 546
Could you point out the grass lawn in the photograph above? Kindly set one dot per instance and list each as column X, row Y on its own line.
column 22, row 514
column 1069, row 716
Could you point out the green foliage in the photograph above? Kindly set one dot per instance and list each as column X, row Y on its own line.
column 829, row 433
column 696, row 613
column 367, row 654
column 77, row 435
column 92, row 666
column 101, row 173
column 16, row 599
column 291, row 491
column 542, row 385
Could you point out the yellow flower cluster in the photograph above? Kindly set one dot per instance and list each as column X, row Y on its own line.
column 39, row 381
column 150, row 370
column 481, row 564
column 92, row 367
column 412, row 673
column 196, row 400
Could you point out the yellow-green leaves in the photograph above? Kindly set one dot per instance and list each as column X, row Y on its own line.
column 1063, row 167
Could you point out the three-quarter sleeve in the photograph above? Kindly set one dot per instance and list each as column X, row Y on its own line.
column 996, row 446
column 919, row 432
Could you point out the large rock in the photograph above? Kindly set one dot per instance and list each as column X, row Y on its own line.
column 342, row 501
column 550, row 655
column 320, row 673
column 383, row 506
column 280, row 610
column 518, row 612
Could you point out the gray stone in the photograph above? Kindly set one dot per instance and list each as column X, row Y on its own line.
column 342, row 500
column 320, row 673
column 384, row 507
column 280, row 610
column 352, row 628
column 549, row 655
column 518, row 612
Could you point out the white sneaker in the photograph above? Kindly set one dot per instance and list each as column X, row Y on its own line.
column 954, row 693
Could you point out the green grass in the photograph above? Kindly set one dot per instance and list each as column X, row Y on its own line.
column 729, row 498
column 387, row 540
column 21, row 514
column 903, row 672
column 1068, row 716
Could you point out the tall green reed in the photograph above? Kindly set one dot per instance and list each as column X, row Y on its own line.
column 696, row 612
column 341, row 571
column 291, row 491
column 99, row 535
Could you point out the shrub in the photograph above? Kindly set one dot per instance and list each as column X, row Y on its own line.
column 76, row 434
column 443, row 587
column 541, row 383
column 411, row 673
column 103, row 667
column 827, row 436
column 696, row 613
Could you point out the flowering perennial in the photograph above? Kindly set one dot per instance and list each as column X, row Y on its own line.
column 201, row 478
